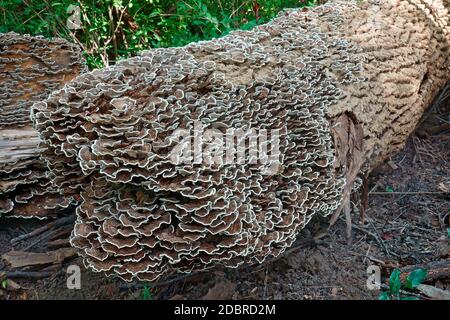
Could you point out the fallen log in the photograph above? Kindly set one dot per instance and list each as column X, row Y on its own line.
column 30, row 68
column 339, row 88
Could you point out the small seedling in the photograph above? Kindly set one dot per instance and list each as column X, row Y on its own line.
column 396, row 287
column 4, row 283
column 146, row 294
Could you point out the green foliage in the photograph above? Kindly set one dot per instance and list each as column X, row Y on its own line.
column 146, row 294
column 34, row 16
column 115, row 29
column 394, row 282
column 384, row 296
column 396, row 287
column 4, row 284
column 415, row 278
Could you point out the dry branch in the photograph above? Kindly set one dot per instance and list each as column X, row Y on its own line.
column 54, row 224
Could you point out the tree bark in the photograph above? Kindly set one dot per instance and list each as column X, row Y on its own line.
column 342, row 85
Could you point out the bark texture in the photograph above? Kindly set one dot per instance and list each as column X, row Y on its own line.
column 343, row 83
column 30, row 68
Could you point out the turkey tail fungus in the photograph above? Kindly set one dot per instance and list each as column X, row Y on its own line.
column 30, row 69
column 343, row 85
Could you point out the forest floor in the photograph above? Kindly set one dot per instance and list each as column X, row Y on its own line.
column 406, row 224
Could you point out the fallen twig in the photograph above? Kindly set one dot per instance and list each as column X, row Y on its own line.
column 56, row 223
column 29, row 274
column 50, row 235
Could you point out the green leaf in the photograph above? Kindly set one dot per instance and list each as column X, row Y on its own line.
column 384, row 296
column 394, row 282
column 409, row 298
column 389, row 189
column 4, row 284
column 249, row 25
column 416, row 277
column 448, row 233
column 146, row 294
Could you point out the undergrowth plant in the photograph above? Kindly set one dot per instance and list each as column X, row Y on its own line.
column 146, row 293
column 397, row 288
column 4, row 284
column 114, row 29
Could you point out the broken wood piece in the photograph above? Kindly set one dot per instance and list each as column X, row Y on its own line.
column 434, row 292
column 392, row 165
column 58, row 243
column 18, row 259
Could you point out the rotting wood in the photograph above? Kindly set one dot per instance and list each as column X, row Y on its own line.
column 345, row 83
column 18, row 259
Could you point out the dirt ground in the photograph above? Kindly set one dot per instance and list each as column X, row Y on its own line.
column 405, row 223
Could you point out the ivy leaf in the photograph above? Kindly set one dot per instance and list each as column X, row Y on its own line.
column 416, row 277
column 394, row 282
column 384, row 296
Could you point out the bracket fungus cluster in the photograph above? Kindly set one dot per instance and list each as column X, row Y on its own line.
column 30, row 69
column 109, row 135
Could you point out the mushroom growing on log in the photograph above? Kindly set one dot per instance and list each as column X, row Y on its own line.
column 30, row 69
column 344, row 84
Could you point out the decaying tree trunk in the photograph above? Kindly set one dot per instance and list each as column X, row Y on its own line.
column 30, row 68
column 342, row 85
